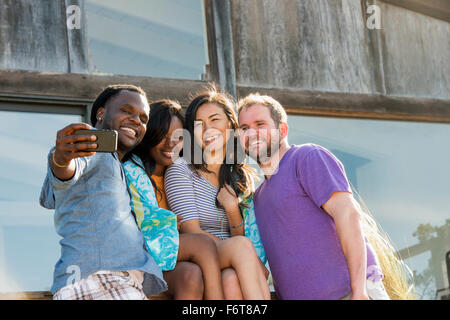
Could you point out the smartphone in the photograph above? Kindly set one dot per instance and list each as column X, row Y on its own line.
column 106, row 139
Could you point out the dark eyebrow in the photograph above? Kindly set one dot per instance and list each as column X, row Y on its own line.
column 129, row 106
column 213, row 115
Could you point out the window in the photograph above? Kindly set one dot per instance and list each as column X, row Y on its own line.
column 149, row 38
column 401, row 171
column 29, row 245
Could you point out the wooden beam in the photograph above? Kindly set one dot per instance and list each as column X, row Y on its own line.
column 439, row 9
column 303, row 102
column 213, row 67
column 355, row 105
column 39, row 104
column 88, row 86
column 30, row 295
column 47, row 295
column 220, row 44
column 77, row 40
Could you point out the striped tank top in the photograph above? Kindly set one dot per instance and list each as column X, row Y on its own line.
column 190, row 195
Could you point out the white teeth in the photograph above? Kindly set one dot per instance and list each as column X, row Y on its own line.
column 129, row 130
column 211, row 138
column 255, row 142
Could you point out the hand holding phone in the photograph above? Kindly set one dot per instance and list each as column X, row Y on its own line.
column 79, row 140
column 69, row 146
column 106, row 140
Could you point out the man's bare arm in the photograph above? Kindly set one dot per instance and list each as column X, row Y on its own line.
column 346, row 214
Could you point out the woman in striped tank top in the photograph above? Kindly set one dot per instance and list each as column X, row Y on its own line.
column 206, row 188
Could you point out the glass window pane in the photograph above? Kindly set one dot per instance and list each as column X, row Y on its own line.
column 29, row 245
column 401, row 171
column 149, row 38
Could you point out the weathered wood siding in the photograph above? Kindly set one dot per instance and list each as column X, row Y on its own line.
column 312, row 45
column 416, row 53
column 324, row 45
column 34, row 36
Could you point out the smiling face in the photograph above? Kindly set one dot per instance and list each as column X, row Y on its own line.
column 127, row 113
column 210, row 127
column 258, row 133
column 168, row 150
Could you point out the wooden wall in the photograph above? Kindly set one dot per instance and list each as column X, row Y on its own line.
column 34, row 36
column 324, row 45
column 317, row 56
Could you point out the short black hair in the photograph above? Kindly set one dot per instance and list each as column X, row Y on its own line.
column 109, row 92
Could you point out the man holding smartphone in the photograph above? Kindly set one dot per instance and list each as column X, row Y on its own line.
column 102, row 250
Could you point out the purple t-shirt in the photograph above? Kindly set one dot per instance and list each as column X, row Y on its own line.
column 299, row 237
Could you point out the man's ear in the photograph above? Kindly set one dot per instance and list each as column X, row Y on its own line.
column 283, row 130
column 100, row 114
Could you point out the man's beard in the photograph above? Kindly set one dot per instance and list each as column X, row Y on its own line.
column 264, row 157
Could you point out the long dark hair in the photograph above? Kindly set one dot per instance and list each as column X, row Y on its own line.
column 233, row 171
column 161, row 113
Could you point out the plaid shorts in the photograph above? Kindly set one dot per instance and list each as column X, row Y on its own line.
column 103, row 285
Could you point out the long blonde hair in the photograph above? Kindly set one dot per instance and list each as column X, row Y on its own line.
column 394, row 268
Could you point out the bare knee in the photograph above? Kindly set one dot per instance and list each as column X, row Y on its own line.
column 186, row 281
column 192, row 278
column 203, row 247
column 242, row 246
column 205, row 241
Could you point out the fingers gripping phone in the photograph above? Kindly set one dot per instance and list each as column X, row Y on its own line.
column 106, row 139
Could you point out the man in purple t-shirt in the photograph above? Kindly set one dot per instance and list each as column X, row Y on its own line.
column 308, row 219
